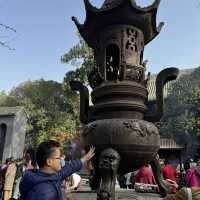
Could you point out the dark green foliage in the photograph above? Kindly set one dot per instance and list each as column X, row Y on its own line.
column 49, row 112
column 5, row 32
column 80, row 56
column 182, row 109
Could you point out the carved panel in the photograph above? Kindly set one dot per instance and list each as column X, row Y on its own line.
column 132, row 36
column 141, row 128
column 95, row 77
column 133, row 46
column 134, row 73
column 130, row 42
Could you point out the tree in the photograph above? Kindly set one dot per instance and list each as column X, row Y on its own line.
column 49, row 113
column 81, row 57
column 182, row 117
column 2, row 96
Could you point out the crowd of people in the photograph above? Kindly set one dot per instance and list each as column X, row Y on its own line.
column 143, row 180
column 11, row 173
column 54, row 176
column 51, row 179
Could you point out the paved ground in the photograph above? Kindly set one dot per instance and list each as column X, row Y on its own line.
column 121, row 194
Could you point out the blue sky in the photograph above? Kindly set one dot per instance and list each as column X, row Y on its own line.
column 45, row 31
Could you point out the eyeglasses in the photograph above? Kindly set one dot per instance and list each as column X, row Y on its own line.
column 58, row 158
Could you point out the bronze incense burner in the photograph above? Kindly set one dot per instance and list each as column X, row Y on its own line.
column 118, row 122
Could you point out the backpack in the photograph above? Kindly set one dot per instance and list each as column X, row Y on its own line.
column 14, row 188
column 19, row 171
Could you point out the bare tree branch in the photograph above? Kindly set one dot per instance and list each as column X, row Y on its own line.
column 6, row 43
column 8, row 27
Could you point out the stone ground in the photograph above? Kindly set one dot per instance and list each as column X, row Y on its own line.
column 121, row 194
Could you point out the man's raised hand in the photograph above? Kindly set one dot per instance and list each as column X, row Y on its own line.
column 88, row 155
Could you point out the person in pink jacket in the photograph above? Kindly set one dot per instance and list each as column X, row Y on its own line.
column 191, row 178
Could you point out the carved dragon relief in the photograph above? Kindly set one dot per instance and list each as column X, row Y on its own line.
column 141, row 128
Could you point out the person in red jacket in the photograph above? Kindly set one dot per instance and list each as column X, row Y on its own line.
column 170, row 174
column 145, row 175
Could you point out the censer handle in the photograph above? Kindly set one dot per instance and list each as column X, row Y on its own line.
column 84, row 99
column 163, row 77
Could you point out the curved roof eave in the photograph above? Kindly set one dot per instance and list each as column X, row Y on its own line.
column 90, row 8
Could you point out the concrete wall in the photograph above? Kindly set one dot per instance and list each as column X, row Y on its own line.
column 15, row 134
column 19, row 132
column 9, row 122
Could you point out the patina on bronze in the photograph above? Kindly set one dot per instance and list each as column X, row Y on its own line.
column 119, row 118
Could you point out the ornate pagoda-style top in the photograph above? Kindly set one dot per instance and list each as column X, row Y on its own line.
column 115, row 12
column 117, row 32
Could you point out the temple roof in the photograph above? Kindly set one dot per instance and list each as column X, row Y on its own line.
column 166, row 143
column 115, row 12
column 110, row 4
column 152, row 84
